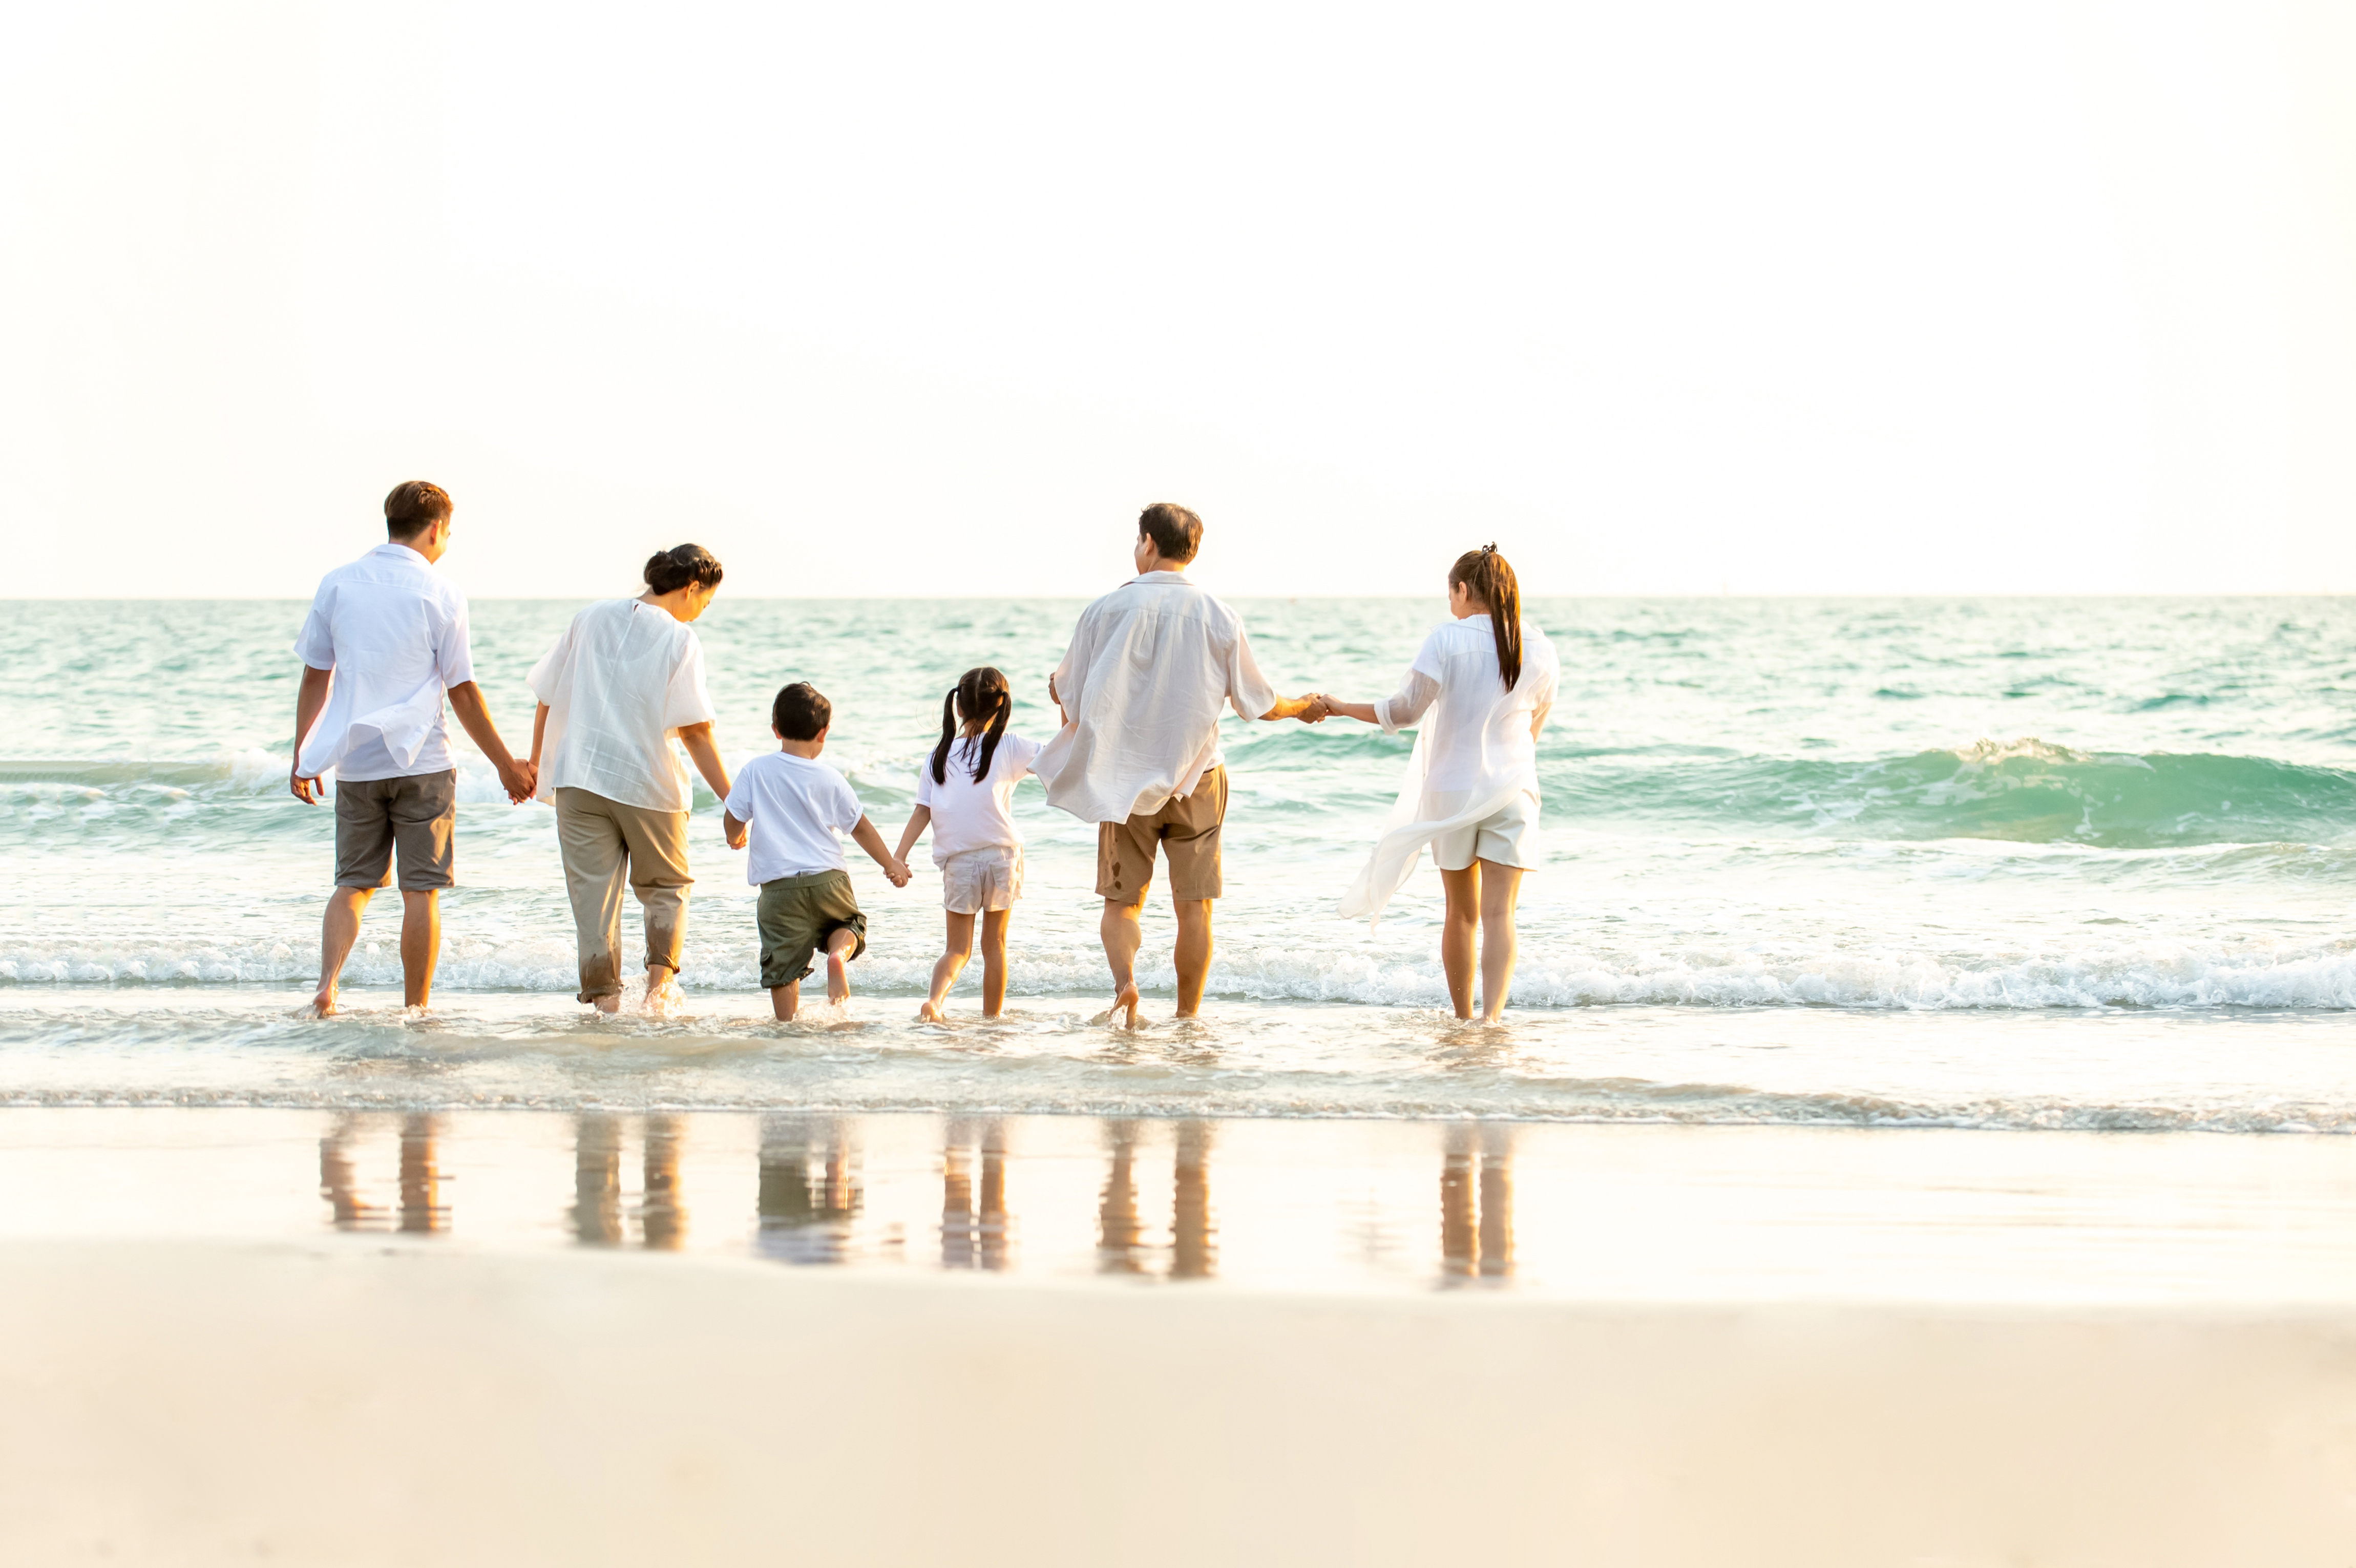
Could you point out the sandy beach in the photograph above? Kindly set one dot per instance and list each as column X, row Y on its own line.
column 347, row 1403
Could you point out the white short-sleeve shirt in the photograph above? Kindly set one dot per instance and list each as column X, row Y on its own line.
column 1149, row 668
column 393, row 631
column 620, row 684
column 797, row 807
column 970, row 814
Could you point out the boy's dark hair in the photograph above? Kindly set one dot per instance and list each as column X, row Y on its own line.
column 413, row 507
column 801, row 713
column 1177, row 532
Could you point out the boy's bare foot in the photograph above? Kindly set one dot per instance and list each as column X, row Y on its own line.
column 837, row 978
column 931, row 1014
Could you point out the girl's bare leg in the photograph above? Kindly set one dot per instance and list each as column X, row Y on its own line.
column 993, row 960
column 1457, row 932
column 1500, row 888
column 786, row 1000
column 951, row 965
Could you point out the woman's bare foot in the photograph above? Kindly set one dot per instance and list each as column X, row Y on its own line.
column 930, row 1013
column 1125, row 1000
column 323, row 1005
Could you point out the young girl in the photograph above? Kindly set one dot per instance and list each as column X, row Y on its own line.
column 963, row 791
column 1481, row 687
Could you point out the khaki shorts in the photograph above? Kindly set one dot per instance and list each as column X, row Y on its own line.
column 981, row 879
column 797, row 915
column 415, row 814
column 1187, row 829
column 1506, row 836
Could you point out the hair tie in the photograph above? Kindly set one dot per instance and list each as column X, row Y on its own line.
column 1489, row 548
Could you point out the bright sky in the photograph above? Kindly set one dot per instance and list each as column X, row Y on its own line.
column 931, row 298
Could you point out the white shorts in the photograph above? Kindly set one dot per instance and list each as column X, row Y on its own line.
column 981, row 880
column 1506, row 836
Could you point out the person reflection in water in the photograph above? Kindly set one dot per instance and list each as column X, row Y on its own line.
column 1120, row 1245
column 805, row 1221
column 1476, row 1205
column 970, row 1237
column 662, row 1212
column 597, row 1182
column 422, row 1209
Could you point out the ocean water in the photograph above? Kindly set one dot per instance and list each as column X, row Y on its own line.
column 2024, row 863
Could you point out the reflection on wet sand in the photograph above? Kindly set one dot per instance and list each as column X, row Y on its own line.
column 1120, row 1245
column 802, row 1220
column 970, row 1237
column 597, row 1182
column 421, row 1209
column 662, row 1211
column 1476, row 1205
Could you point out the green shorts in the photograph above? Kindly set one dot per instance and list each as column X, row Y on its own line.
column 797, row 914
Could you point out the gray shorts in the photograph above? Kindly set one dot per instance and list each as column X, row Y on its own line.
column 415, row 814
column 796, row 916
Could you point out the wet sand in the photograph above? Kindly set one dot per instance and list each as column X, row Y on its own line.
column 355, row 1403
column 502, row 1337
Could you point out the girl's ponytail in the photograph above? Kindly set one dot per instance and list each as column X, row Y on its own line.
column 1489, row 577
column 948, row 735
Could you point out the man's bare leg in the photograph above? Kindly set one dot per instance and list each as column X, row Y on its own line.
column 1192, row 956
column 421, row 945
column 840, row 944
column 337, row 931
column 1123, row 935
column 786, row 1000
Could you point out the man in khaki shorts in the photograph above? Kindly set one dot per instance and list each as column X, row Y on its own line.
column 386, row 638
column 1150, row 666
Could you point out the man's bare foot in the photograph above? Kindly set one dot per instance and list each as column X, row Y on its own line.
column 1125, row 1000
column 665, row 999
column 931, row 1014
column 607, row 1004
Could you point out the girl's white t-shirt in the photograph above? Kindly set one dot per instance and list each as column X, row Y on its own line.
column 970, row 815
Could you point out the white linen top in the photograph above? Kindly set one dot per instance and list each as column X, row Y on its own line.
column 619, row 684
column 393, row 631
column 968, row 815
column 795, row 806
column 1151, row 664
column 1474, row 749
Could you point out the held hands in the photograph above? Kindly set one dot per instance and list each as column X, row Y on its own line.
column 897, row 870
column 520, row 780
column 1315, row 707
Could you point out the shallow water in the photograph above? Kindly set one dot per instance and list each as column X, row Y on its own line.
column 2006, row 863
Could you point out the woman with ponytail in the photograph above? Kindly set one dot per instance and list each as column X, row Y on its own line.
column 623, row 682
column 965, row 792
column 1478, row 693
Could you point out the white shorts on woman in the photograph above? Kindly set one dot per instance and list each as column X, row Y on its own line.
column 990, row 877
column 1506, row 836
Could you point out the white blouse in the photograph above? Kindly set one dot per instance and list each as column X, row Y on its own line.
column 1474, row 747
column 623, row 679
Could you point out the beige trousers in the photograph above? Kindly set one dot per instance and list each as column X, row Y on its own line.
column 600, row 840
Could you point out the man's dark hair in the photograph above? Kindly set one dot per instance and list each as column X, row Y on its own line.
column 801, row 713
column 1177, row 532
column 413, row 507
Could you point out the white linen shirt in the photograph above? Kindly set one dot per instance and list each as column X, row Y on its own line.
column 393, row 631
column 1478, row 738
column 1151, row 664
column 795, row 806
column 620, row 684
column 968, row 815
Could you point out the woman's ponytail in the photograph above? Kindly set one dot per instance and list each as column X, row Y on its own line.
column 1489, row 577
column 978, row 692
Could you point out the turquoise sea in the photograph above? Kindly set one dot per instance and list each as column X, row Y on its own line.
column 2020, row 863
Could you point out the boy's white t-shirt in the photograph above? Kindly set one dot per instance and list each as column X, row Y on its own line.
column 975, row 816
column 796, row 805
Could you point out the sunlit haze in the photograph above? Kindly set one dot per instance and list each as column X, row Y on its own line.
column 930, row 299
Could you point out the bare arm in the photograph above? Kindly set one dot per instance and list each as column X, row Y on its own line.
column 702, row 750
column 919, row 820
column 867, row 838
column 307, row 703
column 538, row 733
column 1310, row 709
column 1363, row 712
column 519, row 779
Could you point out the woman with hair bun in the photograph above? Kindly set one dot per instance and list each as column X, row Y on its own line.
column 1478, row 694
column 625, row 679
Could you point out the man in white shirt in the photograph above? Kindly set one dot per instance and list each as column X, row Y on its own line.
column 1150, row 666
column 385, row 639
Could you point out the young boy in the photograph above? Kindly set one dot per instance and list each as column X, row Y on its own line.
column 791, row 807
